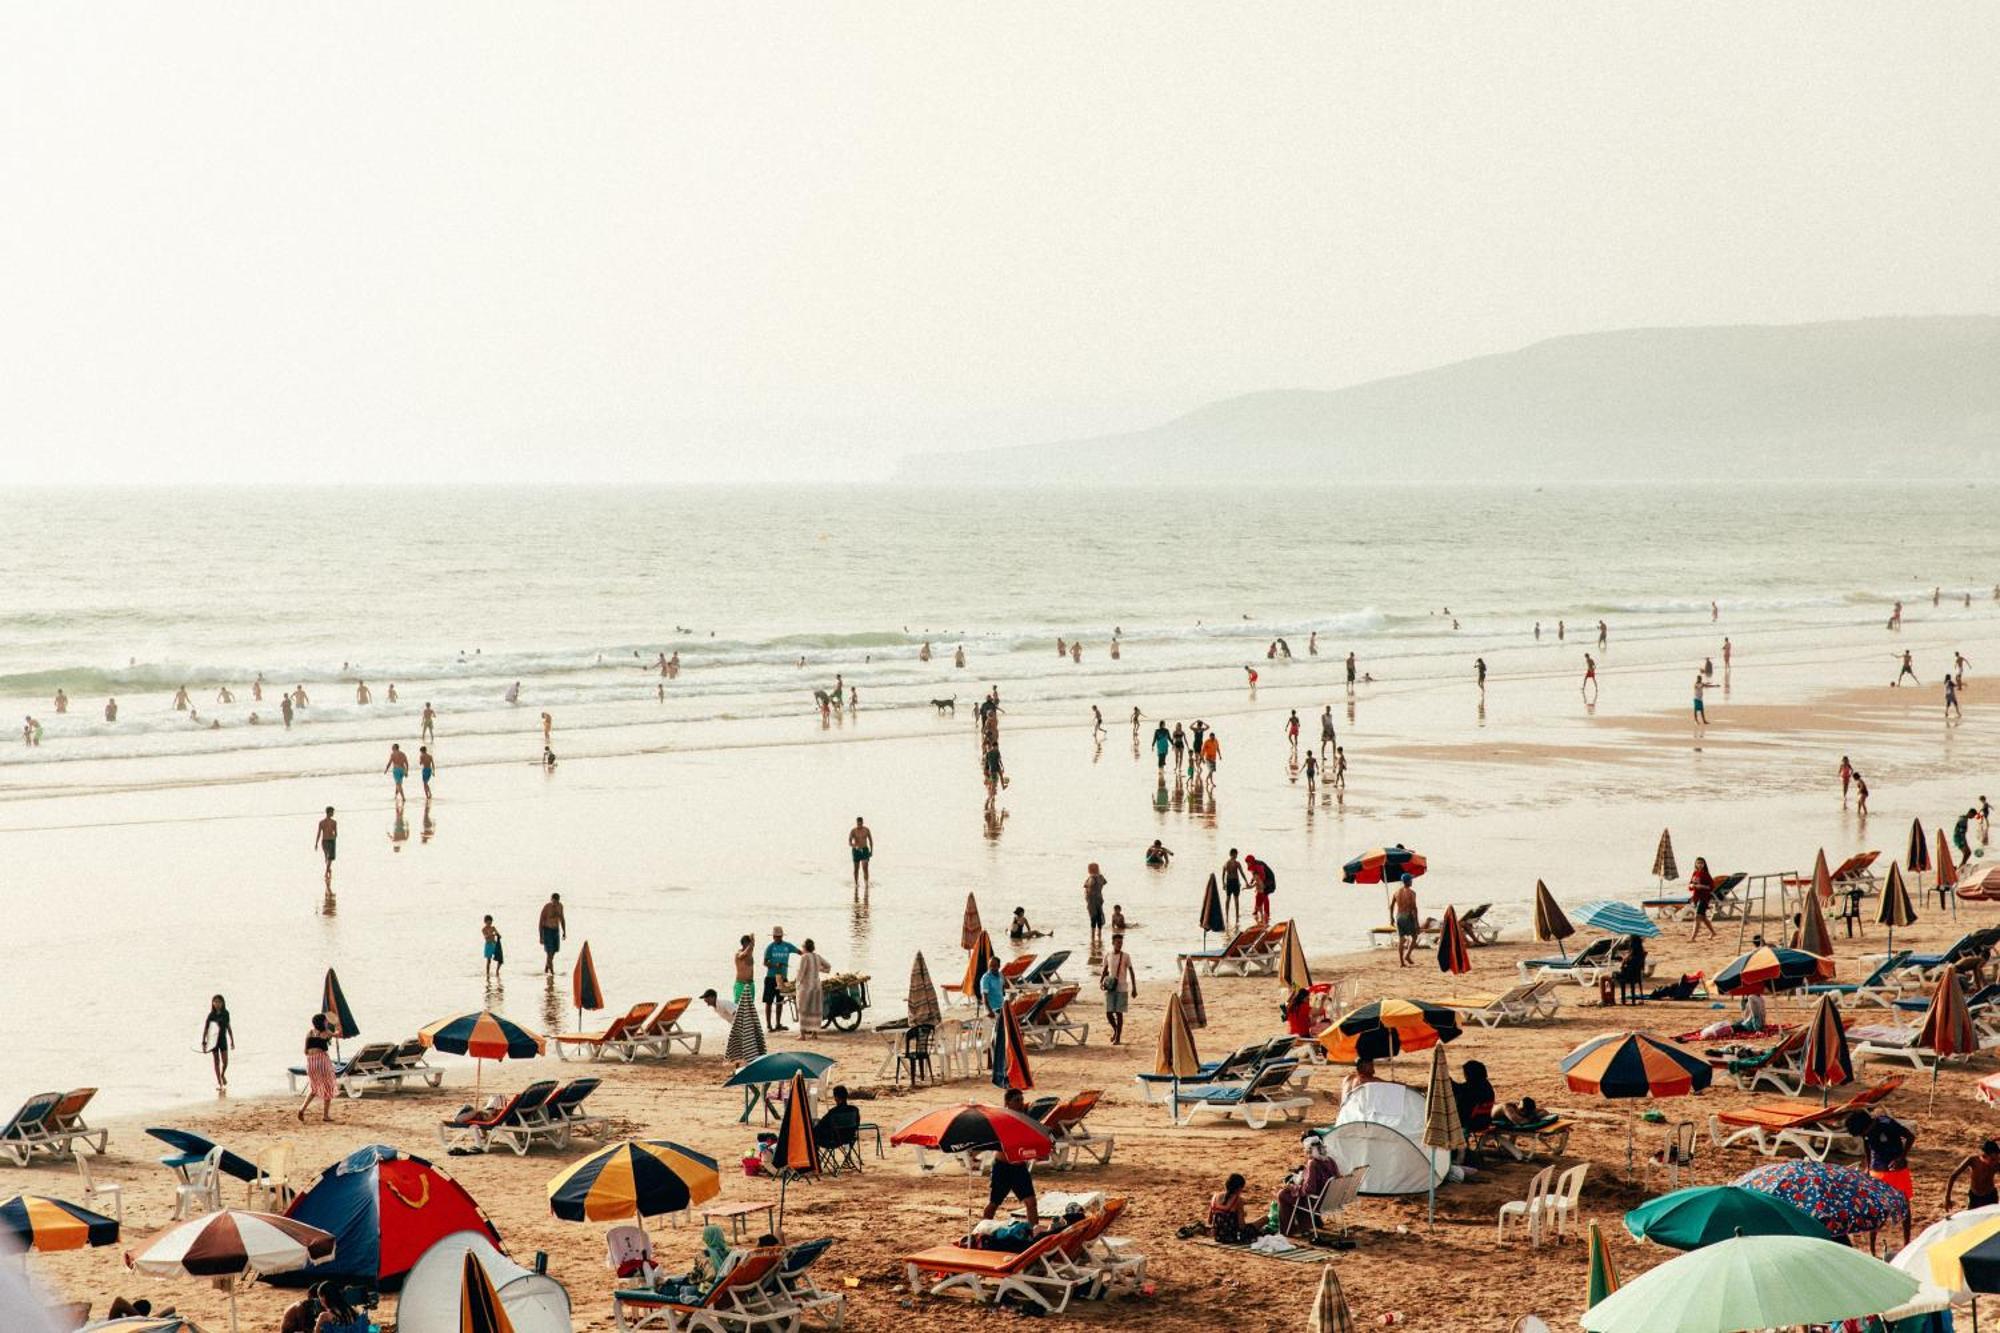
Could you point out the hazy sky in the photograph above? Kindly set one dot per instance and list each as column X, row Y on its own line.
column 379, row 243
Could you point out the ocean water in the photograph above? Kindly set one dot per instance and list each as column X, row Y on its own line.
column 452, row 594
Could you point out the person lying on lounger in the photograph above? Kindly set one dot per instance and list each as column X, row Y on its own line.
column 1523, row 1114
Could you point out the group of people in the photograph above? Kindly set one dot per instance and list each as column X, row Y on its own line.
column 991, row 766
column 806, row 992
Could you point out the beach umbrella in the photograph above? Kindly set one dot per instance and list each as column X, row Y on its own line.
column 1442, row 1128
column 1919, row 856
column 1551, row 925
column 1664, row 866
column 1768, row 968
column 1947, row 872
column 1175, row 1057
column 1010, row 1052
column 1191, row 1001
column 483, row 1036
column 1826, row 1063
column 976, row 964
column 1293, row 972
column 1453, row 953
column 1212, row 921
column 479, row 1307
column 40, row 1223
column 796, row 1151
column 1329, row 1313
column 1947, row 1027
column 333, row 1003
column 1706, row 1214
column 1814, row 937
column 1961, row 1253
column 1386, row 1027
column 226, row 1243
column 776, row 1067
column 1895, row 909
column 1977, row 883
column 746, row 1035
column 1631, row 1065
column 973, row 1127
column 1603, row 1279
column 639, row 1178
column 970, row 929
column 923, row 1002
column 1840, row 1198
column 583, row 986
column 1822, row 878
column 1617, row 918
column 1753, row 1282
column 1384, row 865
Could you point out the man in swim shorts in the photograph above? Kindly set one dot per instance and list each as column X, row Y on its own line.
column 398, row 767
column 323, row 839
column 552, row 926
column 1403, row 906
column 861, row 843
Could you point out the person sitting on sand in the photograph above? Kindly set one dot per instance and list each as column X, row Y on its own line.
column 1225, row 1214
column 1157, row 856
column 1019, row 929
column 1298, row 1198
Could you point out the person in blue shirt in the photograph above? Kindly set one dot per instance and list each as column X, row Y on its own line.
column 992, row 987
column 777, row 962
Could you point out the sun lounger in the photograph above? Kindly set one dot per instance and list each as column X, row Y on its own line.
column 663, row 1031
column 515, row 1122
column 65, row 1127
column 365, row 1062
column 1234, row 1068
column 1545, row 1138
column 1584, row 967
column 795, row 1280
column 1270, row 1095
column 1229, row 956
column 1261, row 958
column 411, row 1061
column 34, row 1129
column 1878, row 987
column 1923, row 968
column 1815, row 1130
column 1525, row 1002
column 1048, row 1023
column 1045, row 974
column 1071, row 1137
column 1384, row 937
column 1014, row 969
column 565, row 1107
column 1891, row 1041
column 745, row 1299
column 616, row 1038
column 993, row 1275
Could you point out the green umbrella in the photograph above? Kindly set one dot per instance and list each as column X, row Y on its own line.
column 1753, row 1282
column 1603, row 1279
column 1691, row 1218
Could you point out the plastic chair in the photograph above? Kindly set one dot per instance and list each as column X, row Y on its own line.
column 95, row 1189
column 1565, row 1202
column 1531, row 1210
column 274, row 1176
column 948, row 1045
column 201, row 1191
column 1678, row 1152
column 915, row 1056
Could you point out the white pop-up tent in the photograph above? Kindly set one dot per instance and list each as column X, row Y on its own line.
column 1381, row 1127
column 429, row 1301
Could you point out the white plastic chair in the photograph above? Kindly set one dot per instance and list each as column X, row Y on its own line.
column 273, row 1184
column 1677, row 1153
column 1531, row 1210
column 1565, row 1202
column 948, row 1049
column 95, row 1189
column 201, row 1191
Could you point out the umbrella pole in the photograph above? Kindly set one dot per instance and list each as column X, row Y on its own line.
column 232, row 1306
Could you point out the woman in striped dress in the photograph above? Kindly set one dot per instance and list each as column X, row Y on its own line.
column 319, row 1069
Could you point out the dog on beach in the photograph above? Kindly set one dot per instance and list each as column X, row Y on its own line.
column 944, row 706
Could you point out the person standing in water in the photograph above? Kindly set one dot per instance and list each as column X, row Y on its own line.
column 1727, row 650
column 225, row 1037
column 1589, row 677
column 861, row 847
column 427, row 730
column 489, row 948
column 553, row 927
column 1350, row 673
column 1292, row 730
column 1096, row 720
column 1093, row 904
column 361, row 694
column 1951, row 700
column 1700, row 687
column 1907, row 669
column 1846, row 779
column 1860, row 793
column 426, row 765
column 1403, row 907
column 323, row 840
column 1479, row 670
column 548, row 731
column 398, row 767
column 62, row 702
column 1327, row 735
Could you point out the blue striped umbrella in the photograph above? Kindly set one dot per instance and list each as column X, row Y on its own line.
column 1608, row 914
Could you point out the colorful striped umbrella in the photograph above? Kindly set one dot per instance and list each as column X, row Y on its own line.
column 923, row 1001
column 640, row 1178
column 970, row 929
column 746, row 1034
column 1212, row 921
column 479, row 1307
column 1706, row 1214
column 1551, row 925
column 1664, row 866
column 1454, row 953
column 1329, row 1313
column 973, row 1127
column 40, row 1223
column 584, row 989
column 1603, row 1279
column 230, row 1242
column 1895, row 909
column 1384, row 865
column 1175, row 1057
column 1767, row 969
column 1387, row 1027
column 333, row 1003
column 1293, row 972
column 1753, row 1282
column 1919, row 857
column 1617, row 918
column 1965, row 1258
column 1947, row 1027
column 1827, row 1062
column 1191, row 1001
column 796, row 1151
column 483, row 1036
column 976, row 964
column 1633, row 1064
column 1839, row 1198
column 1814, row 937
column 1947, row 872
column 1010, row 1052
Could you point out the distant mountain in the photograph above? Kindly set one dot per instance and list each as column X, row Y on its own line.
column 1860, row 398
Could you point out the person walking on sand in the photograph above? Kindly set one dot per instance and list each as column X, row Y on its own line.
column 809, row 997
column 323, row 840
column 1096, row 720
column 426, row 765
column 319, row 1070
column 225, row 1037
column 1327, row 735
column 1093, row 903
column 1700, row 688
column 1403, row 907
column 489, row 947
column 861, row 850
column 1846, row 779
column 398, row 767
column 1951, row 700
column 1701, row 892
column 553, row 927
column 427, row 729
column 777, row 965
column 745, row 990
column 1589, row 678
column 1121, row 986
column 1292, row 730
column 1012, row 1178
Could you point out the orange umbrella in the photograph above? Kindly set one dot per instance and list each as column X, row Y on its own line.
column 796, row 1151
column 1010, row 1052
column 1946, row 878
column 1822, row 880
column 583, row 986
column 975, row 966
column 1454, row 956
column 1947, row 1028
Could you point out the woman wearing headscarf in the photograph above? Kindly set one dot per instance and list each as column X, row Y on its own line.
column 810, row 996
column 1298, row 1200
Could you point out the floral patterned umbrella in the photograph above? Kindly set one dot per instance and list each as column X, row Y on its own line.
column 1843, row 1199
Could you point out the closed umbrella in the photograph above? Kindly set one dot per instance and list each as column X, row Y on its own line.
column 1453, row 953
column 1617, row 918
column 1895, row 909
column 1919, row 857
column 746, row 1034
column 1664, row 866
column 1293, row 972
column 483, row 1036
column 1329, row 1313
column 796, row 1152
column 970, row 929
column 231, row 1242
column 1826, row 1062
column 39, row 1223
column 1706, row 1214
column 479, row 1307
column 1947, row 1027
column 1822, row 878
column 583, row 987
column 1603, row 1278
column 1191, row 1001
column 1174, row 1057
column 640, row 1178
column 1840, row 1198
column 1814, row 937
column 1946, row 878
column 1551, row 925
column 333, row 1003
column 1753, row 1282
column 1212, row 921
column 1442, row 1128
column 923, row 1002
column 976, row 964
column 1010, row 1052
column 1631, row 1065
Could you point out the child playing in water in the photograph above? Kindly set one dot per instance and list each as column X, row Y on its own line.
column 490, row 948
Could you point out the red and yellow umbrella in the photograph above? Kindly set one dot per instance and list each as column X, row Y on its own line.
column 479, row 1307
column 1381, row 865
column 974, row 1127
column 977, row 963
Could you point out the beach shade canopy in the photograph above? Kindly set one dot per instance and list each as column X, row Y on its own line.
column 1010, row 1052
column 233, row 1241
column 1947, row 1027
column 39, row 1223
column 385, row 1208
column 1919, row 858
column 333, row 1003
column 1767, row 968
column 1454, row 954
column 479, row 1308
column 1329, row 1311
column 1895, row 909
column 973, row 1127
column 1664, row 865
column 1634, row 1064
column 1442, row 1128
column 1551, row 923
column 1983, row 882
column 1212, row 921
column 639, row 1178
column 1387, row 1027
column 1706, row 1214
column 1384, row 865
column 746, row 1034
column 1617, row 918
column 1753, row 1282
column 923, row 1001
column 976, row 963
column 1960, row 1254
column 1603, row 1273
column 483, row 1036
column 584, row 990
column 1294, row 974
column 1191, row 1001
column 779, row 1067
column 1175, row 1055
column 1839, row 1198
column 1826, row 1061
column 1814, row 937
column 970, row 929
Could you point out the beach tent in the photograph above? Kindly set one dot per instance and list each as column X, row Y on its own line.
column 385, row 1208
column 1381, row 1127
column 534, row 1302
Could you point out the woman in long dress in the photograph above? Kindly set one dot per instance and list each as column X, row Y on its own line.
column 809, row 997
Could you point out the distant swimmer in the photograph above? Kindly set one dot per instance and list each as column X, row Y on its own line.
column 1562, row 632
column 398, row 767
column 299, row 699
column 1727, row 650
column 674, row 665
column 513, row 694
column 1115, row 650
column 1312, row 644
column 285, row 709
column 323, row 841
column 62, row 702
column 958, row 658
column 392, row 693
column 181, row 704
column 1708, row 668
column 1062, row 647
column 1714, row 613
column 924, row 653
column 223, row 696
column 426, row 765
column 1603, row 635
column 1935, row 591
column 548, row 727
column 1251, row 672
column 257, row 688
column 428, row 727
column 361, row 694
column 1076, row 652
column 1538, row 631
column 1896, row 616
